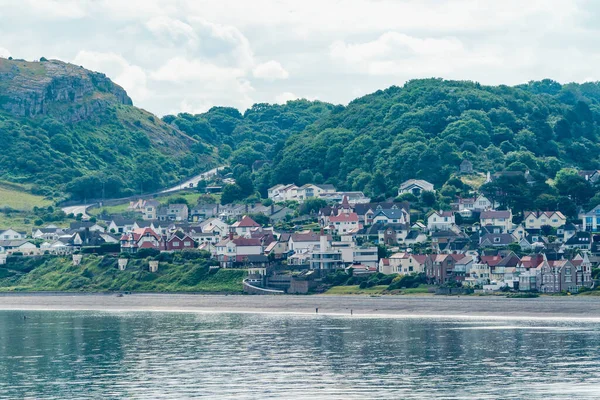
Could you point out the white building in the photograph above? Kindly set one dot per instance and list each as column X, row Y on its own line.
column 537, row 219
column 440, row 221
column 502, row 219
column 415, row 187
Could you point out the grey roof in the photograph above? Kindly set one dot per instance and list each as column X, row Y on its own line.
column 390, row 213
column 580, row 238
column 504, row 239
column 495, row 214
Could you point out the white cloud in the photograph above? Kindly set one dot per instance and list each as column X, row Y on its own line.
column 131, row 77
column 182, row 70
column 193, row 54
column 270, row 71
column 4, row 53
column 285, row 97
column 172, row 30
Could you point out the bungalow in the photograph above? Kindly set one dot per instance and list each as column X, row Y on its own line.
column 19, row 245
column 415, row 187
column 497, row 218
column 121, row 225
column 47, row 233
column 11, row 234
column 537, row 219
column 440, row 220
column 86, row 225
column 309, row 190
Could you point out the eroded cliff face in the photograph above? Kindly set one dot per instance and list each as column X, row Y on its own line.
column 64, row 91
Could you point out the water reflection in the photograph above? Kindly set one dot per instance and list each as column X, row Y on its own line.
column 60, row 355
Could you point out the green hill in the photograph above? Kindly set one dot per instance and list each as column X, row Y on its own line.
column 65, row 129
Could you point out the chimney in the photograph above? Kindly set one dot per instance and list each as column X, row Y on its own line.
column 231, row 234
column 323, row 241
column 272, row 209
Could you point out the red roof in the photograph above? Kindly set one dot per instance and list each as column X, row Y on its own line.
column 492, row 261
column 148, row 245
column 350, row 217
column 420, row 258
column 246, row 222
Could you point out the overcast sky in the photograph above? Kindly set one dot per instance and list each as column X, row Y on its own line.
column 189, row 55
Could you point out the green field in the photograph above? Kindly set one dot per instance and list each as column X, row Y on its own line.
column 18, row 199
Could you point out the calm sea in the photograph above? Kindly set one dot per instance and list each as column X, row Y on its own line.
column 143, row 355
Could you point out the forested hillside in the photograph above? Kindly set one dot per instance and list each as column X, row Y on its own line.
column 71, row 131
column 427, row 127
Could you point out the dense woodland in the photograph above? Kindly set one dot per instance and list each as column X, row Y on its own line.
column 421, row 130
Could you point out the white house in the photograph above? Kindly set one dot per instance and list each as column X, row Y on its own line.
column 502, row 219
column 440, row 220
column 591, row 219
column 304, row 241
column 415, row 186
column 537, row 219
column 406, row 263
column 309, row 190
column 11, row 234
column 344, row 222
column 232, row 250
column 245, row 226
column 215, row 226
column 391, row 216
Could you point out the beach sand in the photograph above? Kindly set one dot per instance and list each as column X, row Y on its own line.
column 579, row 308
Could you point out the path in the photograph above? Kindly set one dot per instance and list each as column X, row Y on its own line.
column 193, row 182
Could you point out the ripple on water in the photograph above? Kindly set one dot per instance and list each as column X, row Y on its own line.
column 72, row 355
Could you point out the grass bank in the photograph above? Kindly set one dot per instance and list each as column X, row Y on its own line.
column 99, row 274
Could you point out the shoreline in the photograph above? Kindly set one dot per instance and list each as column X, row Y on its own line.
column 543, row 308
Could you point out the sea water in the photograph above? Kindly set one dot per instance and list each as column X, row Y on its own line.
column 156, row 355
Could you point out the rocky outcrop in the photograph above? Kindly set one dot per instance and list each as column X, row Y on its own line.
column 64, row 91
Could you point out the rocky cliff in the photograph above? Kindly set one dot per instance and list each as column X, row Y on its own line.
column 64, row 91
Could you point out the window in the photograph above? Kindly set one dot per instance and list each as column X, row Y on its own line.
column 497, row 240
column 175, row 244
column 186, row 244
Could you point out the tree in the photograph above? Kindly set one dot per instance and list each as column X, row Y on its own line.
column 62, row 143
column 244, row 182
column 312, row 206
column 231, row 193
column 428, row 198
column 571, row 185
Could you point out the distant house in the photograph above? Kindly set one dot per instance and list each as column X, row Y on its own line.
column 245, row 226
column 497, row 218
column 303, row 241
column 590, row 175
column 581, row 241
column 121, row 225
column 11, row 234
column 309, row 191
column 179, row 241
column 215, row 226
column 140, row 239
column 344, row 223
column 150, row 210
column 537, row 219
column 496, row 240
column 391, row 216
column 466, row 167
column 238, row 250
column 440, row 220
column 415, row 187
column 591, row 219
column 173, row 212
column 85, row 225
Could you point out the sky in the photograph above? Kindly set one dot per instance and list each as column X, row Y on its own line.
column 189, row 55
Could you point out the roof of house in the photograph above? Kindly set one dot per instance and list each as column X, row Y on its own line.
column 441, row 213
column 492, row 261
column 538, row 214
column 307, row 237
column 416, row 182
column 498, row 239
column 178, row 206
column 395, row 213
column 343, row 217
column 579, row 238
column 491, row 214
column 245, row 222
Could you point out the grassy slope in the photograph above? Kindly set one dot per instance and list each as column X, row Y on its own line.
column 190, row 197
column 379, row 289
column 97, row 274
column 18, row 198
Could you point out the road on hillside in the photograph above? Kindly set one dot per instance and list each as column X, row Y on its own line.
column 75, row 210
column 193, row 182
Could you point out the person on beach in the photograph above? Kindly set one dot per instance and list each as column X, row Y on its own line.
column 317, row 310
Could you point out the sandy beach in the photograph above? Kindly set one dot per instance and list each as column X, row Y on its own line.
column 398, row 306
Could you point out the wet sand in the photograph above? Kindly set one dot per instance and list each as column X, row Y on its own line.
column 580, row 308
